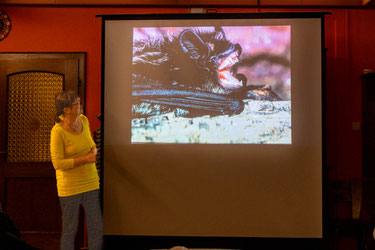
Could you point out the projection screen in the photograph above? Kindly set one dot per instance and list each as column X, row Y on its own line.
column 212, row 125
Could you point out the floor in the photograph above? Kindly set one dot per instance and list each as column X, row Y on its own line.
column 45, row 241
column 50, row 241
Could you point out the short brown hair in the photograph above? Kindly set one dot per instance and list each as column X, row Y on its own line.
column 63, row 100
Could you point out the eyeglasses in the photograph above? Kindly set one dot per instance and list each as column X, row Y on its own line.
column 76, row 102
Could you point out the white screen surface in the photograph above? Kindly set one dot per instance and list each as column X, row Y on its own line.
column 211, row 183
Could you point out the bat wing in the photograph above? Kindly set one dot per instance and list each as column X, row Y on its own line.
column 197, row 103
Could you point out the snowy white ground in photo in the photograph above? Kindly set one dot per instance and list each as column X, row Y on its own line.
column 260, row 122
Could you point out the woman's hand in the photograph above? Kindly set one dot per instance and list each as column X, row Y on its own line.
column 91, row 157
column 86, row 159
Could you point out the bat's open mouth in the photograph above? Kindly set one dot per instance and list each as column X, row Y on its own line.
column 226, row 75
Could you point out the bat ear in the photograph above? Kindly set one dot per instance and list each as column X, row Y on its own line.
column 193, row 45
column 219, row 33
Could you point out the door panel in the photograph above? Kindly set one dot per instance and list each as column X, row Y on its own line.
column 26, row 208
column 30, row 115
column 27, row 179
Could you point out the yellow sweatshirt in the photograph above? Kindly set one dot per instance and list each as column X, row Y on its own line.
column 66, row 146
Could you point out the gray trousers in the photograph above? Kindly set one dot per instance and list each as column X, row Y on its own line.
column 70, row 210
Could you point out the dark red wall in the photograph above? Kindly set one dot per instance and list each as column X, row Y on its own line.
column 349, row 38
column 59, row 29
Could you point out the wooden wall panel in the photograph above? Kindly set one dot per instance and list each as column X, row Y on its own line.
column 234, row 10
column 117, row 2
column 336, row 89
column 281, row 3
column 30, row 203
column 332, row 2
column 27, row 1
column 218, row 2
column 361, row 56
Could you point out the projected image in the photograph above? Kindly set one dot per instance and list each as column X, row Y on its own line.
column 228, row 85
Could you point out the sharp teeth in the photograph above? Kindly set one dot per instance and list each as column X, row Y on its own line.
column 229, row 61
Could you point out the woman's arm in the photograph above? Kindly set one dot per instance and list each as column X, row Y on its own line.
column 89, row 158
column 57, row 154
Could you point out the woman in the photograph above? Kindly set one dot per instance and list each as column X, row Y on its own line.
column 73, row 154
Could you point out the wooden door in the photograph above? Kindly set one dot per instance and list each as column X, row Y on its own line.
column 28, row 84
